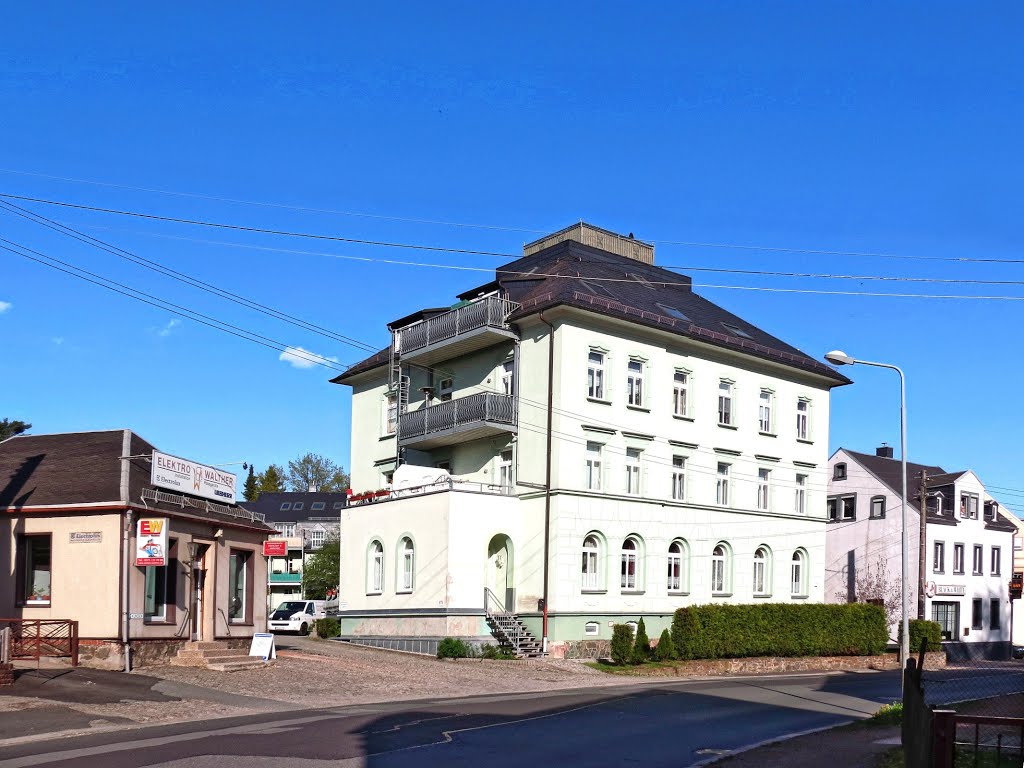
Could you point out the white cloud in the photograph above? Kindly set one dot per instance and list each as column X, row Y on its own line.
column 171, row 325
column 298, row 357
column 4, row 306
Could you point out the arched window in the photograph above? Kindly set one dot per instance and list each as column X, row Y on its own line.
column 678, row 566
column 591, row 558
column 407, row 565
column 762, row 571
column 375, row 568
column 721, row 568
column 798, row 574
column 628, row 569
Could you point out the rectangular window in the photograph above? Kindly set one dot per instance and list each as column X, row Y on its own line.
column 976, row 560
column 445, row 390
column 160, row 591
column 939, row 557
column 377, row 569
column 36, row 556
column 505, row 470
column 849, row 507
column 839, row 472
column 722, row 486
column 996, row 564
column 680, row 393
column 958, row 558
column 833, row 509
column 976, row 620
column 508, row 377
column 803, row 410
column 286, row 529
column 994, row 617
column 764, row 491
column 679, row 478
column 877, row 506
column 990, row 510
column 969, row 506
column 391, row 414
column 635, row 384
column 593, row 476
column 628, row 571
column 239, row 588
column 632, row 471
column 933, row 504
column 725, row 403
column 947, row 614
column 764, row 413
column 759, row 583
column 800, row 503
column 595, row 376
column 317, row 538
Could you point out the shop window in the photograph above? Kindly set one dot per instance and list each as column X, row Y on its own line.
column 240, row 584
column 161, row 588
column 35, row 554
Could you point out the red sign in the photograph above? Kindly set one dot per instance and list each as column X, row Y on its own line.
column 275, row 548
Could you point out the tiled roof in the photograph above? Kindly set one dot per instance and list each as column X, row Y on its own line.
column 269, row 504
column 889, row 471
column 375, row 360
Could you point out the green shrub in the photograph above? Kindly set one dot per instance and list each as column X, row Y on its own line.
column 779, row 629
column 494, row 652
column 665, row 651
column 328, row 627
column 452, row 648
column 890, row 714
column 641, row 646
column 921, row 629
column 622, row 644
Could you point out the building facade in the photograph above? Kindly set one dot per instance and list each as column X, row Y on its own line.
column 582, row 441
column 72, row 510
column 967, row 555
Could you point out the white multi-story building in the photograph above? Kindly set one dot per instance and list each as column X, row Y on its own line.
column 594, row 442
column 968, row 547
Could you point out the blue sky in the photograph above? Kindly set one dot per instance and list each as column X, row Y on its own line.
column 853, row 127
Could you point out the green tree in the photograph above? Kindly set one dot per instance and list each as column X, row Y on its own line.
column 322, row 570
column 622, row 644
column 665, row 650
column 11, row 428
column 251, row 489
column 270, row 480
column 313, row 472
column 642, row 645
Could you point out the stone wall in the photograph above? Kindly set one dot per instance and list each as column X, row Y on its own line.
column 6, row 674
column 773, row 665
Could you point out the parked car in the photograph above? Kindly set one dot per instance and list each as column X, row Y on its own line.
column 296, row 616
column 1018, row 651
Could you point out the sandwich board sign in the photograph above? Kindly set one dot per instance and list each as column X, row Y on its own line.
column 263, row 646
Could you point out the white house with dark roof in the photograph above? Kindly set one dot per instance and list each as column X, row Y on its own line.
column 582, row 441
column 968, row 553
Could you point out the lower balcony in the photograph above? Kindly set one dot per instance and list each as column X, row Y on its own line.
column 466, row 418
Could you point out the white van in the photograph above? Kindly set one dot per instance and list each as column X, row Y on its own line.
column 296, row 616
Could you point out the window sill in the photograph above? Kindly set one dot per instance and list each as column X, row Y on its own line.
column 721, row 594
column 632, row 592
column 678, row 593
column 374, row 594
column 681, row 417
column 638, row 408
column 599, row 400
column 877, row 517
column 761, row 596
column 727, row 426
column 403, row 591
column 798, row 597
column 593, row 591
column 767, row 434
column 158, row 623
column 848, row 520
column 939, row 573
column 805, row 440
column 386, row 437
column 34, row 604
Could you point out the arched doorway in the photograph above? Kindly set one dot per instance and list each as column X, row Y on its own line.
column 500, row 577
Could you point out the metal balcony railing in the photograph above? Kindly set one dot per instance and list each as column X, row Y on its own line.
column 489, row 407
column 489, row 312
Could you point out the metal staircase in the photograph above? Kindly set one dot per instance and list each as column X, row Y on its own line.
column 509, row 631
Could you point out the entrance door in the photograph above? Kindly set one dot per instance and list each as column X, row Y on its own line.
column 500, row 572
column 947, row 614
column 197, row 591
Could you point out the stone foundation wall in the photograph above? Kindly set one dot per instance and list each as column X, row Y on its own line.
column 6, row 674
column 773, row 665
column 108, row 654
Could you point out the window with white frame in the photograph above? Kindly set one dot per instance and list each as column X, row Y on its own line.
column 593, row 466
column 679, row 478
column 764, row 412
column 677, row 567
column 317, row 537
column 997, row 561
column 390, row 413
column 591, row 628
column 958, row 558
column 595, row 375
column 720, row 569
column 761, row 569
column 800, row 501
column 407, row 558
column 969, row 506
column 375, row 568
column 628, row 564
column 934, row 503
column 591, row 553
column 976, row 560
column 803, row 413
column 680, row 393
column 725, row 390
column 842, row 508
column 286, row 529
column 722, row 485
column 635, row 383
column 939, row 557
column 508, row 377
column 632, row 485
column 798, row 574
column 877, row 507
column 505, row 470
column 764, row 489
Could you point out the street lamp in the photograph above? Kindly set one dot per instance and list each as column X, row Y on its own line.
column 836, row 357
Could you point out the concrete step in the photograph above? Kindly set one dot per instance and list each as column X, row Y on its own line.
column 238, row 666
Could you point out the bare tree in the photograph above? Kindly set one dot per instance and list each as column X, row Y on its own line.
column 872, row 584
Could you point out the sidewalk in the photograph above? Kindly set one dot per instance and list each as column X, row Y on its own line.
column 858, row 745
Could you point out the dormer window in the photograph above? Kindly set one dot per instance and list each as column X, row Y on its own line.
column 673, row 312
column 839, row 472
column 735, row 330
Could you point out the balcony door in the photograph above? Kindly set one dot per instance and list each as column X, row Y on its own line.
column 500, row 573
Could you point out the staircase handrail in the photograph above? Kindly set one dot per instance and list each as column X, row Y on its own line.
column 503, row 619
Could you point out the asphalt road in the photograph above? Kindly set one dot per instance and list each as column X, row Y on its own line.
column 678, row 723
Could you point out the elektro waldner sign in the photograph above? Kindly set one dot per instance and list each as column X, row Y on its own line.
column 187, row 476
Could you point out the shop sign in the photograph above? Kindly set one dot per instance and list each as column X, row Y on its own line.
column 186, row 476
column 85, row 537
column 275, row 548
column 151, row 541
column 949, row 589
column 263, row 646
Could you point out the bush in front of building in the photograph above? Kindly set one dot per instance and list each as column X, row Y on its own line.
column 665, row 651
column 327, row 627
column 452, row 648
column 642, row 645
column 922, row 629
column 622, row 644
column 779, row 629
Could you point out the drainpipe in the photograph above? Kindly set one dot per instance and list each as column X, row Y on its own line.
column 547, row 473
column 126, row 565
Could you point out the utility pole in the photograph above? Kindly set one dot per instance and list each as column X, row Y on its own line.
column 922, row 554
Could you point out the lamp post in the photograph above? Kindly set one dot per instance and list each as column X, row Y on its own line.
column 837, row 357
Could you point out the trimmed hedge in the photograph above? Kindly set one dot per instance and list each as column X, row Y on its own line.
column 921, row 629
column 327, row 628
column 779, row 629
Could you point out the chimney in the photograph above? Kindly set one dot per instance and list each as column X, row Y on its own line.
column 596, row 237
column 885, row 451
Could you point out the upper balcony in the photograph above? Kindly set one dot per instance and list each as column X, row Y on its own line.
column 458, row 331
column 457, row 421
